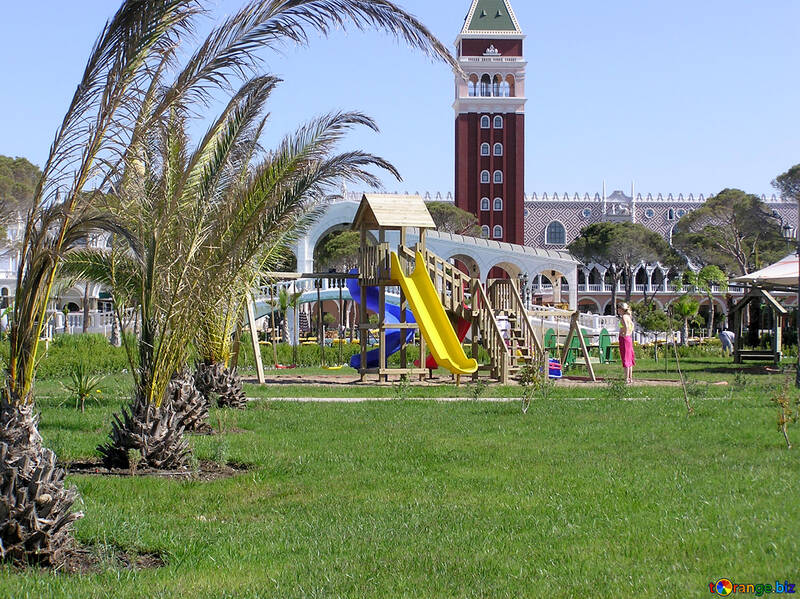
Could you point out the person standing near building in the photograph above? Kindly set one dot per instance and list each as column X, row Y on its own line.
column 626, row 340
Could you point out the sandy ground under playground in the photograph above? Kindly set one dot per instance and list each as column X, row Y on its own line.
column 343, row 381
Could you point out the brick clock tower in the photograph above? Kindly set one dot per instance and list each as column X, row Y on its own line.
column 490, row 120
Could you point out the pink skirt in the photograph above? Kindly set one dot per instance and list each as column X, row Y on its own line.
column 626, row 351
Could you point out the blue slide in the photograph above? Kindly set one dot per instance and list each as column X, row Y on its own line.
column 393, row 336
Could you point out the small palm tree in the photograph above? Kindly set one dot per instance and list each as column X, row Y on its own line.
column 291, row 300
column 705, row 280
column 35, row 506
column 686, row 308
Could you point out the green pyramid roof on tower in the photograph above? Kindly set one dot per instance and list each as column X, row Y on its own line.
column 491, row 16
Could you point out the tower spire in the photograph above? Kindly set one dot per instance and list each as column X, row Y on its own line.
column 490, row 120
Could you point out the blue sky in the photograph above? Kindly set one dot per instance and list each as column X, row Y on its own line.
column 680, row 96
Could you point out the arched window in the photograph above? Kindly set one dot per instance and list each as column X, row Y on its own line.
column 497, row 233
column 485, row 122
column 498, row 176
column 498, row 204
column 485, row 231
column 484, row 176
column 498, row 122
column 498, row 149
column 555, row 234
column 486, row 86
column 484, row 149
column 510, row 83
column 472, row 86
column 671, row 214
column 485, row 204
column 497, row 83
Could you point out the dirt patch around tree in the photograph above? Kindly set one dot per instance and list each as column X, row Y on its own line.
column 207, row 470
column 98, row 558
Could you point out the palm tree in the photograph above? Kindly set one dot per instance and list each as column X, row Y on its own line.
column 35, row 506
column 120, row 128
column 291, row 299
column 685, row 308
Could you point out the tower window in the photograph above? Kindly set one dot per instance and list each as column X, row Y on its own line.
column 498, row 204
column 498, row 149
column 484, row 149
column 497, row 83
column 486, row 86
column 498, row 122
column 484, row 176
column 485, row 204
column 485, row 122
column 472, row 86
column 555, row 234
column 485, row 231
column 497, row 233
column 671, row 214
column 498, row 176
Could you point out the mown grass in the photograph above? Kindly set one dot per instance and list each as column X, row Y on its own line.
column 432, row 499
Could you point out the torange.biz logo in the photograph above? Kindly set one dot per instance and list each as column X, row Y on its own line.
column 724, row 586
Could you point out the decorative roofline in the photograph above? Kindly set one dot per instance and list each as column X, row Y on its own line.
column 438, row 196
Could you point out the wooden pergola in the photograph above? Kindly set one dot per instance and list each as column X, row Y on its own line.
column 779, row 312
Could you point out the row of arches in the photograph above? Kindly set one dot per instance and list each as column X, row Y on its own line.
column 491, row 86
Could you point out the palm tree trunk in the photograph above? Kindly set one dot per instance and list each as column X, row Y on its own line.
column 272, row 322
column 85, row 308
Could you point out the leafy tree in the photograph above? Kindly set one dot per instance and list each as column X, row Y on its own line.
column 788, row 184
column 18, row 179
column 733, row 229
column 650, row 317
column 705, row 280
column 620, row 248
column 686, row 309
column 339, row 251
column 451, row 219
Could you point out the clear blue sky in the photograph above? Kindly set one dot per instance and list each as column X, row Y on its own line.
column 680, row 96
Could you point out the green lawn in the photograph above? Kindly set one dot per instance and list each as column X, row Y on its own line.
column 431, row 499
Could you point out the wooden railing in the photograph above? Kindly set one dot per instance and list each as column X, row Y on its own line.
column 504, row 295
column 375, row 264
column 466, row 297
column 491, row 337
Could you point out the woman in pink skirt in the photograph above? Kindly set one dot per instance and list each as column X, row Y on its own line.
column 626, row 340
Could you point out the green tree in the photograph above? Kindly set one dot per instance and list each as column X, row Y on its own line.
column 451, row 219
column 705, row 280
column 88, row 144
column 339, row 251
column 733, row 229
column 620, row 248
column 124, row 103
column 788, row 184
column 686, row 309
column 18, row 179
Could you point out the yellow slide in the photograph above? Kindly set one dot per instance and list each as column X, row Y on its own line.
column 432, row 319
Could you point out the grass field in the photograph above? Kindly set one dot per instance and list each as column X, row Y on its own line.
column 440, row 499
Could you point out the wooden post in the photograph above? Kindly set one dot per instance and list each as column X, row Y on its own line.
column 251, row 321
column 382, row 334
column 363, row 319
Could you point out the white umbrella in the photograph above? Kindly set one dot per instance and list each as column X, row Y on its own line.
column 784, row 273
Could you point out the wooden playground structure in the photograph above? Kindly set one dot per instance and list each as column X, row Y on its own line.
column 438, row 305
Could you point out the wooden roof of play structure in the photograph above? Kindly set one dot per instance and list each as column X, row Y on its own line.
column 384, row 211
column 759, row 292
